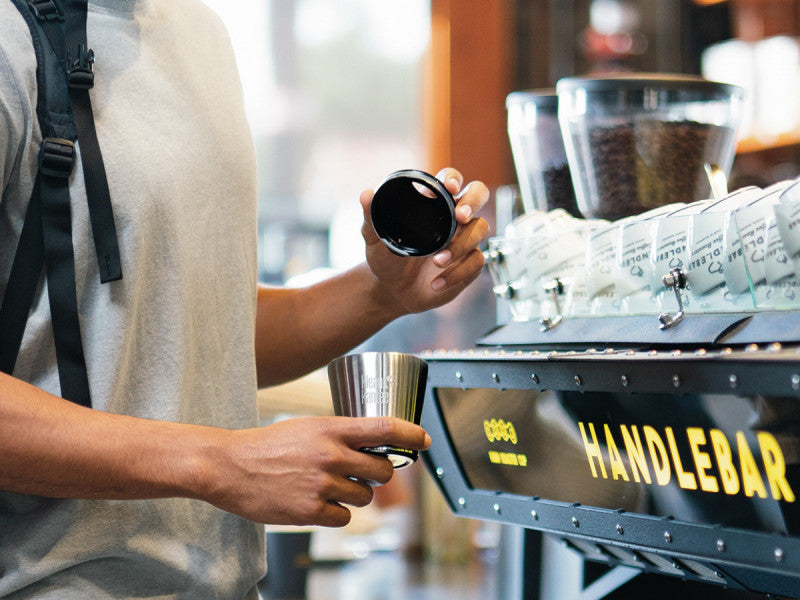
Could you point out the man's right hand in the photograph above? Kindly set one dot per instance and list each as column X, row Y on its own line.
column 302, row 471
column 299, row 471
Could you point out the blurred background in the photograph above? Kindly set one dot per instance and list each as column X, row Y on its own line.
column 340, row 93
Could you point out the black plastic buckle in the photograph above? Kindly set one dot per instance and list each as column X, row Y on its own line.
column 56, row 157
column 47, row 10
column 81, row 72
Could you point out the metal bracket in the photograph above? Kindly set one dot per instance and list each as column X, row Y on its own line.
column 675, row 279
column 555, row 288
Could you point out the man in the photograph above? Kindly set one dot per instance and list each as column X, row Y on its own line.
column 155, row 491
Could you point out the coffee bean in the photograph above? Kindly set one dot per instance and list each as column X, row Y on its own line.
column 650, row 163
column 559, row 190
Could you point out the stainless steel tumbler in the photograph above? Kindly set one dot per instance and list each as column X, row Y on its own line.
column 380, row 384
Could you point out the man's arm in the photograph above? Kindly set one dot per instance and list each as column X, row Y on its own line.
column 299, row 471
column 299, row 330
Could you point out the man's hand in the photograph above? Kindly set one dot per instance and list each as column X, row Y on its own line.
column 411, row 285
column 303, row 471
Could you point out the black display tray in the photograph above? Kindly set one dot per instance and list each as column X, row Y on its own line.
column 696, row 330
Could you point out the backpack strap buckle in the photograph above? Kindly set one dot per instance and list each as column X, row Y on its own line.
column 47, row 10
column 56, row 157
column 81, row 71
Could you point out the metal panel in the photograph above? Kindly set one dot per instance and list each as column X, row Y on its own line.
column 761, row 553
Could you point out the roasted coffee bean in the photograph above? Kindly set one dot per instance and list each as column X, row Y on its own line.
column 650, row 163
column 559, row 190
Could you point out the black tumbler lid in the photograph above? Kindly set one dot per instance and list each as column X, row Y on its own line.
column 413, row 213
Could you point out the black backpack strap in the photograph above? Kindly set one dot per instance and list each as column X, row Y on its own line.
column 56, row 161
column 46, row 237
column 65, row 29
column 22, row 283
column 55, row 119
column 80, row 68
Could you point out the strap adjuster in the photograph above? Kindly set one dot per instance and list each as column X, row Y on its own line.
column 81, row 71
column 56, row 157
column 47, row 10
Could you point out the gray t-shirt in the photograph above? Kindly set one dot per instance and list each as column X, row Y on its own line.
column 173, row 339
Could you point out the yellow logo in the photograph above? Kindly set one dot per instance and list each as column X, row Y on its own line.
column 711, row 450
column 499, row 430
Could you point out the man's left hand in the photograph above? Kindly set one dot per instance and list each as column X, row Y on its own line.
column 412, row 285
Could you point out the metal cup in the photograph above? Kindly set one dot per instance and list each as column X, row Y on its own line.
column 380, row 384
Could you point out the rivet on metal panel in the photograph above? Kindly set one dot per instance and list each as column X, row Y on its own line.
column 462, row 502
column 575, row 522
column 624, row 380
column 795, row 381
column 676, row 380
column 496, row 508
column 535, row 378
column 700, row 352
column 751, row 348
column 535, row 515
column 733, row 380
column 775, row 347
column 459, row 376
column 440, row 472
column 619, row 529
column 578, row 380
column 496, row 377
column 721, row 545
column 668, row 537
column 779, row 554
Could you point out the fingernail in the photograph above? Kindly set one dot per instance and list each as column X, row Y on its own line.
column 428, row 441
column 453, row 182
column 465, row 210
column 444, row 257
column 438, row 284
